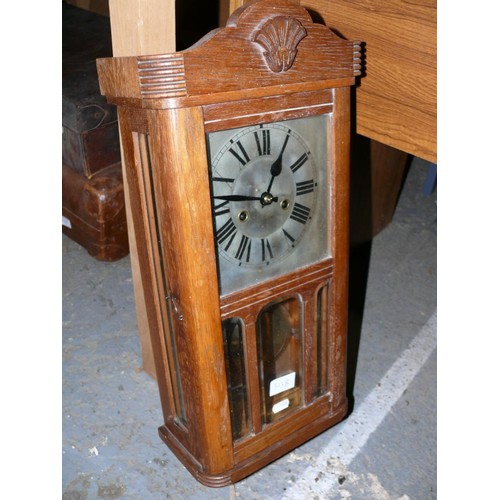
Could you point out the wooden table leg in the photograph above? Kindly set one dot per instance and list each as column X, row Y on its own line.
column 140, row 27
column 377, row 173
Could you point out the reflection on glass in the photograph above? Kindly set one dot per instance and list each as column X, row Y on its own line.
column 232, row 331
column 320, row 344
column 280, row 341
column 143, row 155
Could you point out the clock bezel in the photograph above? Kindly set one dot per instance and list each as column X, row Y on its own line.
column 250, row 276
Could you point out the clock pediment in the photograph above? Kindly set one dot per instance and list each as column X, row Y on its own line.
column 267, row 47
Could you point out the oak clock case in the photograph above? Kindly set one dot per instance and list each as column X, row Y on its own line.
column 238, row 183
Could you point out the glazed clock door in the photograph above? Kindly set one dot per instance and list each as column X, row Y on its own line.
column 270, row 199
column 270, row 186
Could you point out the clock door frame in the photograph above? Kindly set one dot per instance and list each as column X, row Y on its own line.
column 317, row 413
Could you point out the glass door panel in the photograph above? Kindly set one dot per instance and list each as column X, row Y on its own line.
column 232, row 330
column 280, row 346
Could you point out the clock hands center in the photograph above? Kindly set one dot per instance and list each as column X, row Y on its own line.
column 265, row 198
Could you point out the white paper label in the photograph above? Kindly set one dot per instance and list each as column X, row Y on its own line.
column 66, row 222
column 282, row 384
column 281, row 405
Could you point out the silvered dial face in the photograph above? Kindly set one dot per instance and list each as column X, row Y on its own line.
column 266, row 186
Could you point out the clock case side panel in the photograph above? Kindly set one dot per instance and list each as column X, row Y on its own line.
column 134, row 122
column 183, row 209
column 153, row 262
column 341, row 131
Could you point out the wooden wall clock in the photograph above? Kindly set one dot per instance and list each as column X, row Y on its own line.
column 237, row 155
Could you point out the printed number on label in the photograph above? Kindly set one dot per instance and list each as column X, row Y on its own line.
column 282, row 384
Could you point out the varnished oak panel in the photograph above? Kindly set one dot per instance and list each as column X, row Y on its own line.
column 242, row 113
column 148, row 260
column 274, row 432
column 205, row 73
column 192, row 282
column 341, row 132
column 289, row 442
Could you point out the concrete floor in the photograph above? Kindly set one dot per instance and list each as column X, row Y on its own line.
column 385, row 449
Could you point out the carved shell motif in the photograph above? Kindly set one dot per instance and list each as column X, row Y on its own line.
column 279, row 37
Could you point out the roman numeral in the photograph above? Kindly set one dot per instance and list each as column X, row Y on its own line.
column 245, row 244
column 228, row 230
column 300, row 213
column 243, row 160
column 221, row 208
column 289, row 236
column 264, row 142
column 304, row 187
column 299, row 162
column 266, row 249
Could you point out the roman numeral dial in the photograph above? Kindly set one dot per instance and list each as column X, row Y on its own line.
column 265, row 184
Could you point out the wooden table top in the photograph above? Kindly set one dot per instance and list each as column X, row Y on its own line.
column 396, row 99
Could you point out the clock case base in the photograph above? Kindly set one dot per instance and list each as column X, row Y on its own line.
column 270, row 441
column 271, row 453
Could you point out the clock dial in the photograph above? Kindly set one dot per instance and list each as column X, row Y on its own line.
column 266, row 190
column 264, row 180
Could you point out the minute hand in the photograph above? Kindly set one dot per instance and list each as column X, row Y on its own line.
column 277, row 165
column 236, row 197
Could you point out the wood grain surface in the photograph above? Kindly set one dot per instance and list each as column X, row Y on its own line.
column 396, row 99
column 141, row 27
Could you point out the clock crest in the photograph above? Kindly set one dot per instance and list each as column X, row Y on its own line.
column 280, row 37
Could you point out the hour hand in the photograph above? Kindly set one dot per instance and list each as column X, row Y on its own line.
column 277, row 165
column 237, row 197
